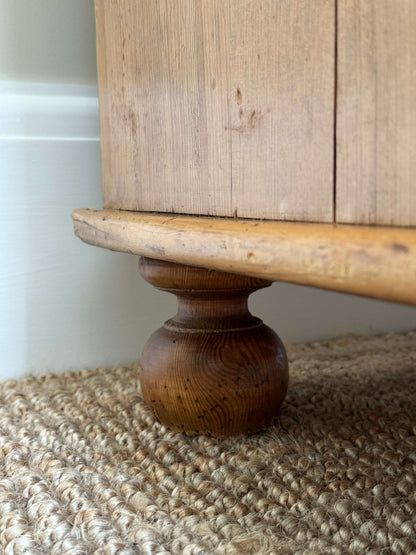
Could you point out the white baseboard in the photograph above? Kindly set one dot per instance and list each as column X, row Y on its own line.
column 48, row 111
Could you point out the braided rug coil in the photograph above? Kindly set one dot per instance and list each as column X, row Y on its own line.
column 85, row 468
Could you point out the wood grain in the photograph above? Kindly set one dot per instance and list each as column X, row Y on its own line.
column 364, row 260
column 376, row 112
column 163, row 82
column 213, row 368
column 282, row 108
column 217, row 107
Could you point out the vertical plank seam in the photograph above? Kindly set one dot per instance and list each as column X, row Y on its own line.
column 233, row 212
column 376, row 120
column 334, row 182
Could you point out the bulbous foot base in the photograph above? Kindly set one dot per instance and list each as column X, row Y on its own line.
column 214, row 368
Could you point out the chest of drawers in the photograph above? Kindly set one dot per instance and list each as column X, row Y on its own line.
column 266, row 140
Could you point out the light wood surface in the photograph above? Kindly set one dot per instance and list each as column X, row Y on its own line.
column 282, row 108
column 376, row 112
column 374, row 262
column 163, row 87
column 217, row 107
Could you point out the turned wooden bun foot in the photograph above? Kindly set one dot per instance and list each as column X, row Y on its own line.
column 213, row 368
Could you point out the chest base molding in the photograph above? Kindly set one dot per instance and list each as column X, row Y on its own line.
column 377, row 262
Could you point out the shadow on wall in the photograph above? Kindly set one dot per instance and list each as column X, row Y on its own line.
column 303, row 314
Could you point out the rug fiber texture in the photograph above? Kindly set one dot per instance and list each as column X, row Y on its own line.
column 86, row 468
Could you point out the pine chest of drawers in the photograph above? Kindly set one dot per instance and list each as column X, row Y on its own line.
column 243, row 142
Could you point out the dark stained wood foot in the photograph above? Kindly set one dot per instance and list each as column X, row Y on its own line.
column 213, row 368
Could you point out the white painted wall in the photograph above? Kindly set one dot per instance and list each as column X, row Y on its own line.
column 64, row 304
column 48, row 41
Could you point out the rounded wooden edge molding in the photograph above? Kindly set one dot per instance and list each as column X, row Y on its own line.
column 213, row 368
column 378, row 262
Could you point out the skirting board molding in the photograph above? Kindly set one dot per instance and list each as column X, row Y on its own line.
column 48, row 111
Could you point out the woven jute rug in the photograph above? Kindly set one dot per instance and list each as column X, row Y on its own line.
column 85, row 468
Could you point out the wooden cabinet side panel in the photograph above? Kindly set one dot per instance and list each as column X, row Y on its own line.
column 163, row 80
column 282, row 108
column 218, row 107
column 376, row 112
